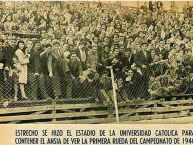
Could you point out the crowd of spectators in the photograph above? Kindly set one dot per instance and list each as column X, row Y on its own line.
column 149, row 49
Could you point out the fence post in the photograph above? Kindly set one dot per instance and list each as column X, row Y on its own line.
column 114, row 93
column 138, row 4
column 188, row 3
column 54, row 111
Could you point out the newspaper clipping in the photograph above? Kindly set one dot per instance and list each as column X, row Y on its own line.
column 96, row 72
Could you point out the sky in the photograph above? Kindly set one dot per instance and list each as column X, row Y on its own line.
column 167, row 4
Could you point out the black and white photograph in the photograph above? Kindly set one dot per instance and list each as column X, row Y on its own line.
column 96, row 62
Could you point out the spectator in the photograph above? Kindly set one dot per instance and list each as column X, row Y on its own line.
column 74, row 71
column 54, row 57
column 93, row 59
column 8, row 25
column 82, row 53
column 23, row 60
column 1, row 71
column 35, row 76
column 122, row 95
column 9, row 48
column 131, row 83
column 39, row 70
column 144, row 46
column 128, row 60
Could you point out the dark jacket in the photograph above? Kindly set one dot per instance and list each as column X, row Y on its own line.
column 75, row 68
column 79, row 54
column 1, row 55
column 128, row 61
column 35, row 65
column 104, row 58
column 9, row 53
column 164, row 52
column 42, row 63
column 140, row 58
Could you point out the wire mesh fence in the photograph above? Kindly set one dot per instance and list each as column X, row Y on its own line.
column 156, row 80
column 45, row 90
column 133, row 84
